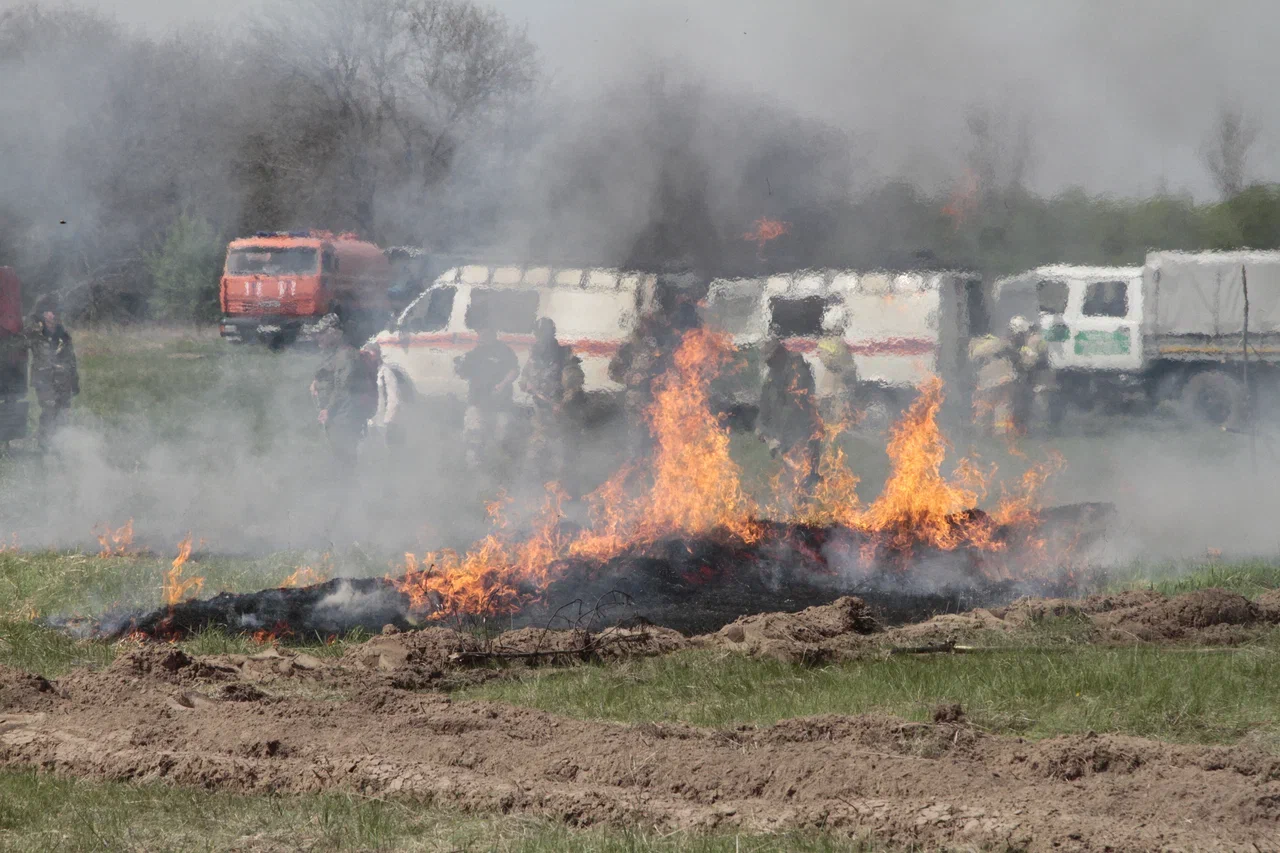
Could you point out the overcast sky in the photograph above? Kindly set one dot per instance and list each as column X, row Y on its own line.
column 1121, row 94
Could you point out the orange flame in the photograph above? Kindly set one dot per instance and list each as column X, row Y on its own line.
column 13, row 546
column 279, row 632
column 494, row 577
column 177, row 588
column 304, row 576
column 115, row 543
column 763, row 230
column 964, row 199
column 695, row 489
column 918, row 505
column 696, row 485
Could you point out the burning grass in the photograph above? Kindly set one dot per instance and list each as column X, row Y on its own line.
column 692, row 489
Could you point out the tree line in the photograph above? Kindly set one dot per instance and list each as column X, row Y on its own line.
column 131, row 159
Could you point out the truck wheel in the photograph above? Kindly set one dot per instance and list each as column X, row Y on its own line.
column 1214, row 398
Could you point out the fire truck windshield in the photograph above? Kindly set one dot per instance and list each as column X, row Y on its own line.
column 265, row 260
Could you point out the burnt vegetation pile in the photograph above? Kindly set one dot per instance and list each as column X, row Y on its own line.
column 690, row 584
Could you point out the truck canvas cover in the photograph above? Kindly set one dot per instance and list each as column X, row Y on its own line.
column 1202, row 294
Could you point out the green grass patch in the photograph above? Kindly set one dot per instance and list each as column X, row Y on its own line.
column 54, row 583
column 1249, row 578
column 41, row 813
column 1152, row 692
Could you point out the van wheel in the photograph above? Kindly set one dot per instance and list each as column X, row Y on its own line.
column 1213, row 398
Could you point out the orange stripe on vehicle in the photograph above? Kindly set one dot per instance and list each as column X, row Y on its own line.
column 887, row 346
column 467, row 340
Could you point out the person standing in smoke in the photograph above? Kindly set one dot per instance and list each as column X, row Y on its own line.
column 647, row 355
column 490, row 371
column 345, row 390
column 54, row 373
column 543, row 379
column 789, row 422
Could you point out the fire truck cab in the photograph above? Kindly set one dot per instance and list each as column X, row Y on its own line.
column 13, row 360
column 274, row 283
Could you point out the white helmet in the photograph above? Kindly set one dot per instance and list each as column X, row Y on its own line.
column 1019, row 325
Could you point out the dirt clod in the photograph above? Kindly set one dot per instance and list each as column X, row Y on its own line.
column 948, row 713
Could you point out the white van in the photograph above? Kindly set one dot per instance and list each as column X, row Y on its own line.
column 594, row 311
column 901, row 327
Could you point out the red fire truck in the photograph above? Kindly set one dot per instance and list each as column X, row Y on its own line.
column 276, row 282
column 13, row 360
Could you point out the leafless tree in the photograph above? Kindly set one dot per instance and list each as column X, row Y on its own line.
column 392, row 87
column 1001, row 148
column 1226, row 149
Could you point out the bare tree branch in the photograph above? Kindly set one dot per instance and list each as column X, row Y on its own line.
column 1226, row 149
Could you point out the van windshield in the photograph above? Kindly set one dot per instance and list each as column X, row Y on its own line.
column 272, row 260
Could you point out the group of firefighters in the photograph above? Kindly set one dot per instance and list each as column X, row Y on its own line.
column 359, row 395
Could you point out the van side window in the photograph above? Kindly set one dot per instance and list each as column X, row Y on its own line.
column 433, row 314
column 329, row 262
column 1106, row 299
column 1053, row 297
column 510, row 311
column 789, row 318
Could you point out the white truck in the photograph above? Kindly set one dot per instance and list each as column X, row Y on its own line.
column 900, row 327
column 1170, row 331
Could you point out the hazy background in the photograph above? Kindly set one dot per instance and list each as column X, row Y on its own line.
column 1121, row 92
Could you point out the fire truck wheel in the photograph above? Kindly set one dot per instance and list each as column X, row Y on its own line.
column 1213, row 398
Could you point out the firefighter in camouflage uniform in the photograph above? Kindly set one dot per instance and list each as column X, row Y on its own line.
column 54, row 373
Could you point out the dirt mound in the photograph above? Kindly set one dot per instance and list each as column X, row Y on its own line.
column 1269, row 606
column 1106, row 602
column 1210, row 615
column 813, row 635
column 920, row 785
column 22, row 691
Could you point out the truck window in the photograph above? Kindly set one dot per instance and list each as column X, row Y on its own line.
column 328, row 262
column 790, row 318
column 271, row 260
column 976, row 307
column 1053, row 297
column 729, row 314
column 1106, row 299
column 432, row 314
column 511, row 311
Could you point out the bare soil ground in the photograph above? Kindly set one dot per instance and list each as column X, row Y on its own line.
column 288, row 722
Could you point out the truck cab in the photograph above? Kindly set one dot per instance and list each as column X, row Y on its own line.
column 274, row 283
column 1090, row 317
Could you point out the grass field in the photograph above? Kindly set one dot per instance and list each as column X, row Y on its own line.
column 41, row 813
